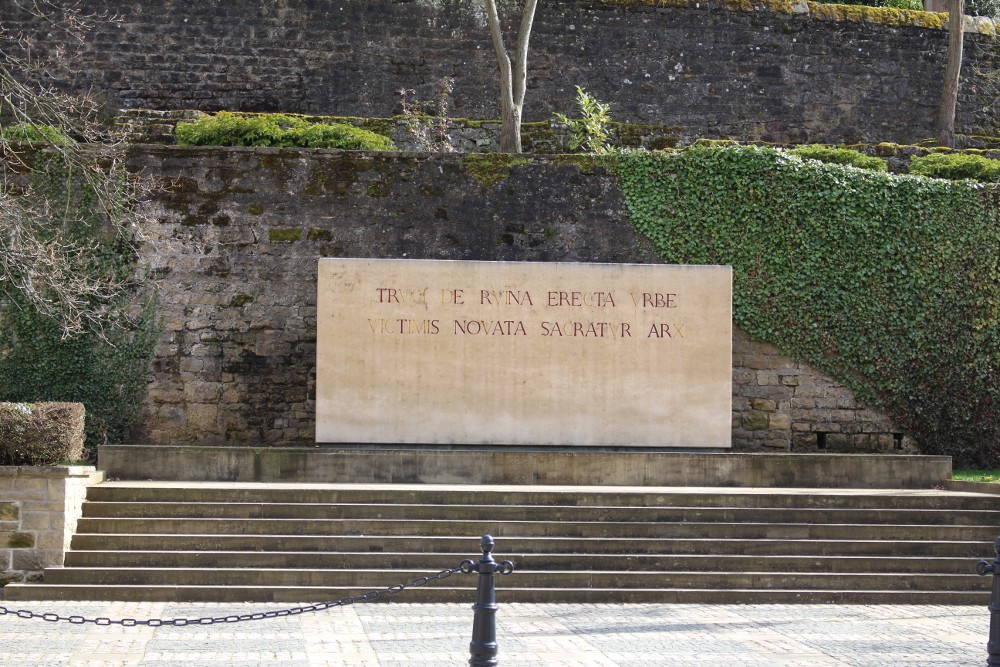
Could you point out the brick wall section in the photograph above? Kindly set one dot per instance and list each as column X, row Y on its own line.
column 236, row 246
column 38, row 516
column 791, row 72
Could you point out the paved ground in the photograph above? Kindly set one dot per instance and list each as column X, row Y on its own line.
column 431, row 635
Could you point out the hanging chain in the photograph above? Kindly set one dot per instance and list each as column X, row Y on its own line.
column 466, row 566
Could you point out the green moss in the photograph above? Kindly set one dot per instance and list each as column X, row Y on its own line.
column 284, row 235
column 884, row 15
column 778, row 6
column 649, row 3
column 240, row 300
column 886, row 149
column 316, row 234
column 9, row 511
column 717, row 143
column 19, row 541
column 337, row 177
column 255, row 209
column 379, row 189
column 633, row 135
column 491, row 168
column 755, row 421
column 587, row 163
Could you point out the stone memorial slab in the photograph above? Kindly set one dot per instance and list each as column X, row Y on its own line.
column 514, row 353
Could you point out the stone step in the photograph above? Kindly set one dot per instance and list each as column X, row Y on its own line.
column 526, row 578
column 246, row 510
column 519, row 495
column 511, row 530
column 446, row 592
column 274, row 542
column 972, row 549
column 625, row 562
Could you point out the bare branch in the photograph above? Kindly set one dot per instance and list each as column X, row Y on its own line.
column 61, row 169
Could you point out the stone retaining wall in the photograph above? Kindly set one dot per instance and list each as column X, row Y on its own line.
column 38, row 515
column 778, row 70
column 236, row 248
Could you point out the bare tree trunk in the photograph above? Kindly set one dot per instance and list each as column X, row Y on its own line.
column 949, row 92
column 513, row 73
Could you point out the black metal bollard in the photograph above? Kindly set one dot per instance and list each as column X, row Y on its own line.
column 983, row 568
column 483, row 648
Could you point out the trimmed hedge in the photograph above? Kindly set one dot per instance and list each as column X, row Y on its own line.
column 846, row 156
column 278, row 130
column 890, row 284
column 38, row 434
column 956, row 166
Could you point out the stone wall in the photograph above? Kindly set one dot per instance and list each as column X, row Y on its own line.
column 38, row 516
column 236, row 246
column 771, row 70
column 783, row 405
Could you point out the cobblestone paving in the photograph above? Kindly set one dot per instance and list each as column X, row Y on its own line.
column 550, row 635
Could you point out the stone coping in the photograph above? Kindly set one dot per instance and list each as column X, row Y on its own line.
column 519, row 466
column 48, row 471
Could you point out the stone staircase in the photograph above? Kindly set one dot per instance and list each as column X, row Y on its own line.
column 188, row 541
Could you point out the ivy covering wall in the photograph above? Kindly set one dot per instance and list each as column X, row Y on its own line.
column 891, row 284
column 106, row 367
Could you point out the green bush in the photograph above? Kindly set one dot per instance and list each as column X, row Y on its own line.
column 40, row 434
column 890, row 284
column 956, row 166
column 32, row 132
column 983, row 8
column 847, row 156
column 591, row 131
column 281, row 130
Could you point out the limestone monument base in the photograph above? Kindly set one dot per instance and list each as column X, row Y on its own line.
column 517, row 466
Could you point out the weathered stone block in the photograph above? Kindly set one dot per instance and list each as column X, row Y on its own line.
column 36, row 559
column 763, row 404
column 766, row 378
column 779, row 421
column 9, row 511
column 36, row 521
column 755, row 421
column 203, row 418
column 756, row 361
column 16, row 540
column 203, row 392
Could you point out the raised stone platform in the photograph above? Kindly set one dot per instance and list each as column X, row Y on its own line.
column 521, row 466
